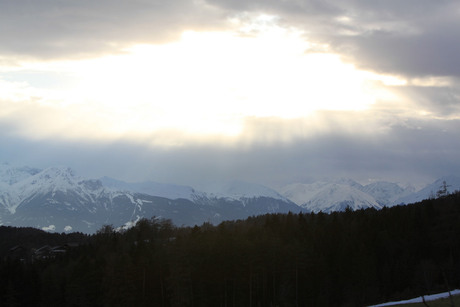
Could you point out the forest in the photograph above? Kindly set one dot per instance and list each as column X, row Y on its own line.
column 351, row 258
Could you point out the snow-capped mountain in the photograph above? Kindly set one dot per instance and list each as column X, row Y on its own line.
column 57, row 199
column 51, row 181
column 10, row 174
column 336, row 194
column 386, row 193
column 330, row 196
column 452, row 183
column 337, row 197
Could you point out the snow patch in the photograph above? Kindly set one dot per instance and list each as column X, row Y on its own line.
column 128, row 225
column 420, row 299
column 131, row 198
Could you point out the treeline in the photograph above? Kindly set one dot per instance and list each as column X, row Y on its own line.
column 340, row 259
column 29, row 238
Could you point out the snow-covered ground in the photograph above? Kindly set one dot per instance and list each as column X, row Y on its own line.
column 420, row 300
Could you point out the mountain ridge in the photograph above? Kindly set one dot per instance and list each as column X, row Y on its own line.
column 57, row 198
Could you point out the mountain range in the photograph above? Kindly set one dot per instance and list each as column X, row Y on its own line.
column 57, row 199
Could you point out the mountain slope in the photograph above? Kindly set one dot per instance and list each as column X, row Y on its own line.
column 430, row 191
column 337, row 197
column 386, row 193
column 57, row 199
column 330, row 195
column 10, row 174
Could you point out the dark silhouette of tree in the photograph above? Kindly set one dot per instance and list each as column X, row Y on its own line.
column 351, row 258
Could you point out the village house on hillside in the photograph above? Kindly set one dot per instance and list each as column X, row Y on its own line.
column 25, row 254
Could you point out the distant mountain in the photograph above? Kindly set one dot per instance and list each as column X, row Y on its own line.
column 337, row 197
column 337, row 194
column 386, row 193
column 10, row 174
column 56, row 199
column 59, row 200
column 330, row 196
column 430, row 191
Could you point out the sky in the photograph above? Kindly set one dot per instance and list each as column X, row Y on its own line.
column 193, row 92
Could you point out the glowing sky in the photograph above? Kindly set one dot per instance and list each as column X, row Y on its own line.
column 267, row 91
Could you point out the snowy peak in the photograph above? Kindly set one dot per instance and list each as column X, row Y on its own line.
column 336, row 194
column 385, row 193
column 56, row 176
column 450, row 183
column 57, row 199
column 382, row 188
column 337, row 197
column 57, row 196
column 49, row 180
column 10, row 174
column 300, row 193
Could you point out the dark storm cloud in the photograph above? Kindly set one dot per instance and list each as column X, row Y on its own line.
column 413, row 151
column 411, row 38
column 434, row 53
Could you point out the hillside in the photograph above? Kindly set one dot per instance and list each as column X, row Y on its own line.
column 58, row 199
column 350, row 258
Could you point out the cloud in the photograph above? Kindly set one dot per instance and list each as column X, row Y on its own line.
column 415, row 40
column 413, row 150
column 411, row 38
column 406, row 128
column 434, row 101
column 56, row 29
column 430, row 53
